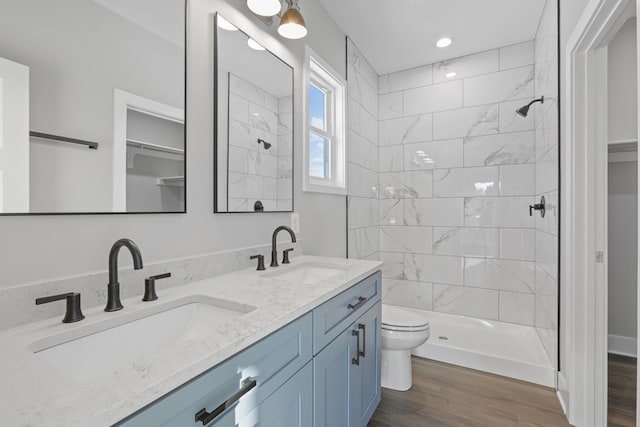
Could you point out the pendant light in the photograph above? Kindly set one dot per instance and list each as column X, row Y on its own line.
column 264, row 7
column 292, row 23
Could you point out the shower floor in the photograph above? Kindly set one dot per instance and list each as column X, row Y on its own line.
column 507, row 349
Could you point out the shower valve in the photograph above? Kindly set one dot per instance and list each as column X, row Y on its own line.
column 538, row 207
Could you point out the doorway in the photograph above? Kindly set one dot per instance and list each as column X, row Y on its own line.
column 622, row 224
column 587, row 249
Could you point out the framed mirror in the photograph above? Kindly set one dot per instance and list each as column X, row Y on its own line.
column 92, row 97
column 254, row 125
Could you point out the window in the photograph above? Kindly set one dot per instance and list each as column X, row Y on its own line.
column 324, row 153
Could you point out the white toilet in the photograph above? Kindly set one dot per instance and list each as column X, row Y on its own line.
column 402, row 331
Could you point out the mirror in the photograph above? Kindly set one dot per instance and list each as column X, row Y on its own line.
column 254, row 125
column 92, row 98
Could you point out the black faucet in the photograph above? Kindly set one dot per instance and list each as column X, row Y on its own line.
column 113, row 288
column 274, row 250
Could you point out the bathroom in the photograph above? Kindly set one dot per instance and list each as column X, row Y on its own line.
column 423, row 187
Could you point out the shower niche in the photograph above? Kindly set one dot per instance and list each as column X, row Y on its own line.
column 254, row 125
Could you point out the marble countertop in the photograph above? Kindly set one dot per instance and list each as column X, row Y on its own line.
column 35, row 393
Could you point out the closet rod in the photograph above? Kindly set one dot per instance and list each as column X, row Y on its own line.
column 89, row 144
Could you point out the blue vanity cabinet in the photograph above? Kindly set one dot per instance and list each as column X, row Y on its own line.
column 273, row 363
column 346, row 372
column 332, row 381
column 289, row 406
column 365, row 391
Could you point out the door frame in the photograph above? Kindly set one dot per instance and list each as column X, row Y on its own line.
column 124, row 101
column 583, row 375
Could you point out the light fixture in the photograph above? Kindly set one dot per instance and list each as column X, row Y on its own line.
column 292, row 25
column 444, row 42
column 226, row 25
column 254, row 44
column 451, row 74
column 264, row 7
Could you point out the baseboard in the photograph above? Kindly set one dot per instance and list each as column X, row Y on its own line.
column 623, row 346
column 563, row 393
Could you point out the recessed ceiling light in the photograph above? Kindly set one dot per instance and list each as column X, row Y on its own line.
column 254, row 44
column 443, row 42
column 451, row 74
column 226, row 25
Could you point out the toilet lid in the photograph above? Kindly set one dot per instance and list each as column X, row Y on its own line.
column 402, row 319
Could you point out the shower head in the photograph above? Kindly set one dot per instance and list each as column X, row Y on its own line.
column 266, row 144
column 524, row 110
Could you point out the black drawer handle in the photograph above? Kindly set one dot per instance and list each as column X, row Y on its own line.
column 364, row 338
column 356, row 360
column 206, row 417
column 361, row 301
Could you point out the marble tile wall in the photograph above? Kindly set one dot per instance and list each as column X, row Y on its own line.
column 284, row 191
column 457, row 173
column 546, row 181
column 362, row 156
column 256, row 173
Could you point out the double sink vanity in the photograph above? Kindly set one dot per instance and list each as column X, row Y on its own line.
column 294, row 346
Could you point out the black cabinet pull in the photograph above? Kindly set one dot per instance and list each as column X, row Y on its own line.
column 364, row 338
column 206, row 417
column 356, row 360
column 360, row 303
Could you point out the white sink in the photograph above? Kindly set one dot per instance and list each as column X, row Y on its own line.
column 307, row 273
column 100, row 349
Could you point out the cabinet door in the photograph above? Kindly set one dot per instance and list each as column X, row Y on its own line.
column 331, row 381
column 365, row 389
column 289, row 406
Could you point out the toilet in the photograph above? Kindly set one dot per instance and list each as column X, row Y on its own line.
column 402, row 331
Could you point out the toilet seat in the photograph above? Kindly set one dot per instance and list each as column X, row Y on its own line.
column 397, row 319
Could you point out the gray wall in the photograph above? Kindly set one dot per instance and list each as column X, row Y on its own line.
column 623, row 248
column 71, row 91
column 623, row 84
column 623, row 185
column 40, row 248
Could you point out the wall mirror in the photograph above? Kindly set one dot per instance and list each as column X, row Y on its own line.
column 254, row 125
column 92, row 97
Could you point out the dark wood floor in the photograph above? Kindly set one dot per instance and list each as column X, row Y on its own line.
column 445, row 395
column 622, row 391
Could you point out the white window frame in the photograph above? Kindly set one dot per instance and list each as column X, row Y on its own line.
column 322, row 75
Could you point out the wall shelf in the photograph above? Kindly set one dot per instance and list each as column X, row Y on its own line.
column 154, row 147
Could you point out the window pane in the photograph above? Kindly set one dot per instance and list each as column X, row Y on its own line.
column 319, row 156
column 317, row 108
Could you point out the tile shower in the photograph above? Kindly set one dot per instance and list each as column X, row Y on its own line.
column 257, row 172
column 441, row 192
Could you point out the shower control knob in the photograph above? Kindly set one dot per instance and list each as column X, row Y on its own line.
column 542, row 207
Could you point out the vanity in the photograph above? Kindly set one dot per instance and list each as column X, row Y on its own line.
column 293, row 346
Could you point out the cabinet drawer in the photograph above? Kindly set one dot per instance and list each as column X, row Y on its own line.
column 335, row 315
column 270, row 362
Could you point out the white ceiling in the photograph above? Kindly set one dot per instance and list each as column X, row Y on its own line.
column 397, row 35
